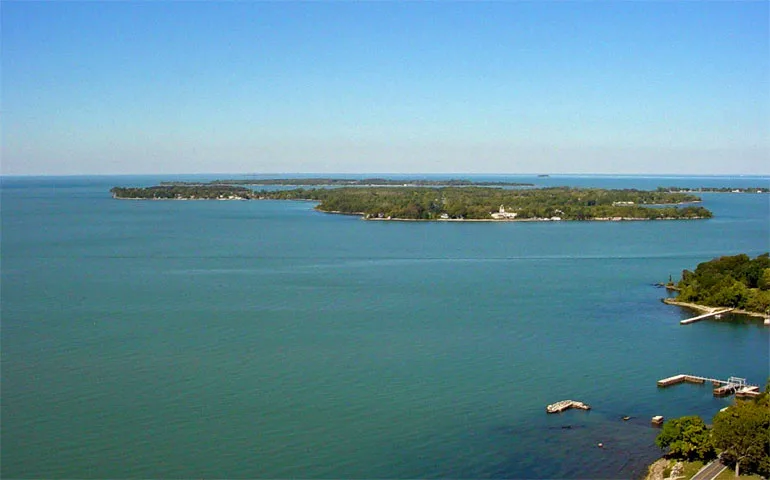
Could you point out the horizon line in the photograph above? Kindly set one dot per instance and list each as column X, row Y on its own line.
column 329, row 175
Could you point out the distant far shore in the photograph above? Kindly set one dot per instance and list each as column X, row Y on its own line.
column 455, row 203
column 343, row 182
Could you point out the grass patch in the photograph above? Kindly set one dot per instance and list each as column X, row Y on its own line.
column 691, row 468
column 729, row 474
column 667, row 470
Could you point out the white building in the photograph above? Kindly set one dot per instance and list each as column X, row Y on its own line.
column 503, row 215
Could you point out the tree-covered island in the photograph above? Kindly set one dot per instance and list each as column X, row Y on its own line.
column 454, row 203
column 736, row 281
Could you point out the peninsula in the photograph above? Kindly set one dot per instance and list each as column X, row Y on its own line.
column 737, row 281
column 474, row 203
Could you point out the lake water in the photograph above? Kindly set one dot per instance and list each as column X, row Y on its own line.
column 268, row 340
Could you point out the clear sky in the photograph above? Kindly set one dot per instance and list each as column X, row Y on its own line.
column 354, row 86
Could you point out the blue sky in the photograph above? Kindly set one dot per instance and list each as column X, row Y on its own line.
column 459, row 87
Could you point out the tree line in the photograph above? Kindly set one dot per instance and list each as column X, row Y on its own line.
column 353, row 182
column 182, row 192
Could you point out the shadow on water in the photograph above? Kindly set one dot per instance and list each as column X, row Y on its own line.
column 608, row 448
column 568, row 445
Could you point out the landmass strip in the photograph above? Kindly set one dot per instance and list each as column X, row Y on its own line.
column 715, row 189
column 467, row 203
column 350, row 182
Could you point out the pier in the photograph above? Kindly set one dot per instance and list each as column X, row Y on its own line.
column 559, row 407
column 715, row 313
column 722, row 388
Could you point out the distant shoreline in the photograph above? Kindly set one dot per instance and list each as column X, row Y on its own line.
column 183, row 199
column 377, row 219
column 456, row 204
column 509, row 220
column 350, row 182
column 495, row 220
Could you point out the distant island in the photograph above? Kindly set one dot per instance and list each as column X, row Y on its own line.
column 731, row 281
column 470, row 203
column 715, row 189
column 349, row 182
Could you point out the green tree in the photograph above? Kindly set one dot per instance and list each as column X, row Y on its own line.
column 687, row 438
column 743, row 433
column 764, row 281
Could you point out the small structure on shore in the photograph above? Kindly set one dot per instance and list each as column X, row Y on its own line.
column 503, row 215
column 559, row 407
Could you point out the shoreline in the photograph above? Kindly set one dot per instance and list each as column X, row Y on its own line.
column 503, row 220
column 707, row 309
column 391, row 219
column 363, row 215
column 178, row 199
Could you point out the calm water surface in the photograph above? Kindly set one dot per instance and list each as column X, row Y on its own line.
column 267, row 340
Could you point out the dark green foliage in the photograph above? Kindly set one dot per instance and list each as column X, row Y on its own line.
column 763, row 283
column 687, row 438
column 731, row 281
column 479, row 202
column 743, row 433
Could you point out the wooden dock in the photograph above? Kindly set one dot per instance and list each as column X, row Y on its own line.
column 671, row 380
column 722, row 388
column 705, row 316
column 682, row 378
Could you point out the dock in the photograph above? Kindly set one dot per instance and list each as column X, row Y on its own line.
column 722, row 388
column 679, row 379
column 715, row 313
column 559, row 407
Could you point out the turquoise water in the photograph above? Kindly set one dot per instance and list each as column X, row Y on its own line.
column 267, row 340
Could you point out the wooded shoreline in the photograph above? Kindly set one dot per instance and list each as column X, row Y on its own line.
column 464, row 203
column 736, row 281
